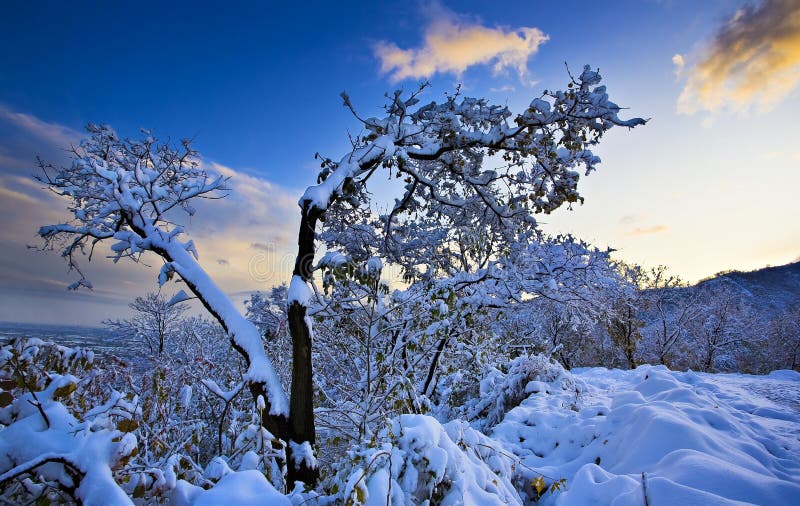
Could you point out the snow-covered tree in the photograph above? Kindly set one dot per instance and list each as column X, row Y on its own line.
column 718, row 329
column 133, row 194
column 155, row 320
column 670, row 308
column 784, row 332
column 473, row 176
column 624, row 323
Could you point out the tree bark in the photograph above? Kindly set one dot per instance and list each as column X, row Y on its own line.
column 301, row 400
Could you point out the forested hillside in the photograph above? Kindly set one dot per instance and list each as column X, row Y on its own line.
column 734, row 321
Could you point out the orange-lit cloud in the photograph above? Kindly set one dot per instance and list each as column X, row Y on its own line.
column 452, row 45
column 752, row 62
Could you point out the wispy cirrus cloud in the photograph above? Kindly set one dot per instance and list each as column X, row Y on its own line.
column 23, row 137
column 752, row 62
column 47, row 130
column 639, row 231
column 452, row 44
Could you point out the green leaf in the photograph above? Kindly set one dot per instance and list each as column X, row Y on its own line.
column 64, row 391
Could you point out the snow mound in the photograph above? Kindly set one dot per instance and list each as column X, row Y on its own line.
column 672, row 437
column 241, row 488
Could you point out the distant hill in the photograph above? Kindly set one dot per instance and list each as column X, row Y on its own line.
column 769, row 290
column 734, row 321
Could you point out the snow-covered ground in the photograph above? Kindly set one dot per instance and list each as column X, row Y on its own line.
column 657, row 437
column 648, row 436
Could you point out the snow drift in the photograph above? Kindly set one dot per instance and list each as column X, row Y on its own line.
column 672, row 437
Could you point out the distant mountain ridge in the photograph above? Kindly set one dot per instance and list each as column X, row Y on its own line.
column 770, row 289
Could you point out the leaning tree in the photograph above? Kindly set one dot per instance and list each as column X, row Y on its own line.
column 131, row 193
column 474, row 174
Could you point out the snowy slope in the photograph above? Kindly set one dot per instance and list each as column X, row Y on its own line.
column 698, row 438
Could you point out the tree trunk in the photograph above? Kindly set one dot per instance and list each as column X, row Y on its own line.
column 629, row 357
column 630, row 333
column 301, row 400
column 709, row 361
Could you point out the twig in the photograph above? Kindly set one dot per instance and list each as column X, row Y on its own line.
column 29, row 466
column 35, row 401
column 516, row 460
column 644, row 489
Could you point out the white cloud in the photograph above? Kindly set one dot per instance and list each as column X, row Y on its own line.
column 503, row 89
column 451, row 45
column 256, row 211
column 679, row 63
column 53, row 133
column 752, row 62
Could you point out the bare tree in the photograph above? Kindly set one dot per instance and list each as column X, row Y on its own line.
column 718, row 328
column 625, row 323
column 670, row 308
column 785, row 330
column 154, row 320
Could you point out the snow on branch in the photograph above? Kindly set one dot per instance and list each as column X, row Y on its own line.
column 131, row 193
column 119, row 189
column 474, row 175
column 436, row 143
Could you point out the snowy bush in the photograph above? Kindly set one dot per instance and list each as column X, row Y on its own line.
column 417, row 460
column 195, row 416
column 61, row 441
column 498, row 392
column 267, row 311
column 176, row 425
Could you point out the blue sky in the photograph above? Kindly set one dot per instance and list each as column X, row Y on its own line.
column 707, row 185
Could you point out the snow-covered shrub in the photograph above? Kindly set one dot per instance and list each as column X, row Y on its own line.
column 417, row 460
column 383, row 354
column 195, row 414
column 63, row 421
column 267, row 311
column 61, row 441
column 498, row 392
